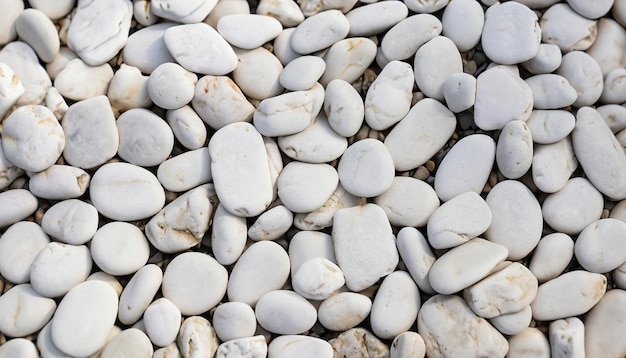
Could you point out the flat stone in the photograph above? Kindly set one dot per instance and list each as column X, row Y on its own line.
column 59, row 182
column 547, row 59
column 305, row 187
column 219, row 101
column 119, row 248
column 302, row 73
column 248, row 347
column 25, row 311
column 603, row 326
column 60, row 267
column 599, row 247
column 408, row 35
column 302, row 346
column 572, row 208
column 366, row 168
column 551, row 91
column 375, row 18
column 552, row 256
column 162, row 319
column 344, row 310
column 285, row 312
column 513, row 323
column 15, row 205
column 285, row 114
column 319, row 31
column 185, row 171
column 196, row 338
column 395, row 306
column 234, row 320
column 19, row 246
column 139, row 293
column 400, row 202
column 388, row 98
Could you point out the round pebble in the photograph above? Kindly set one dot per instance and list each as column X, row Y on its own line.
column 434, row 62
column 162, row 319
column 408, row 202
column 317, row 279
column 170, row 86
column 599, row 246
column 258, row 73
column 574, row 207
column 463, row 23
column 20, row 245
column 366, row 168
column 234, row 320
column 395, row 306
column 552, row 256
column 304, row 187
column 514, row 151
column 285, row 312
column 119, row 248
column 145, row 139
column 18, row 347
column 550, row 126
column 344, row 310
column 71, row 221
column 59, row 267
column 219, row 101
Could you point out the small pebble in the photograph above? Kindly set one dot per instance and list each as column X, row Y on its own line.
column 187, row 127
column 550, row 126
column 234, row 320
column 574, row 207
column 562, row 26
column 170, row 86
column 162, row 319
column 139, row 293
column 348, row 59
column 24, row 311
column 344, row 310
column 514, row 150
column 248, row 31
column 248, row 347
column 319, row 31
column 285, row 312
column 119, row 248
column 513, row 323
column 59, row 182
column 408, row 35
column 417, row 256
column 258, row 73
column 196, row 338
column 317, row 279
column 395, row 306
column 599, row 246
column 552, row 256
column 145, row 139
column 358, row 342
column 302, row 346
column 530, row 342
column 36, row 29
column 388, row 98
column 185, row 171
column 408, row 202
column 366, row 168
column 131, row 342
column 19, row 246
column 567, row 338
column 228, row 236
column 18, row 347
column 16, row 205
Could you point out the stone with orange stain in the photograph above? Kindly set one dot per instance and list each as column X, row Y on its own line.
column 567, row 338
column 219, row 101
column 11, row 88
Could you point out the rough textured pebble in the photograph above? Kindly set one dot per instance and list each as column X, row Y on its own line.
column 552, row 256
column 302, row 346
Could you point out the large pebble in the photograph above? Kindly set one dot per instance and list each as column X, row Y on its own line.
column 359, row 342
column 408, row 35
column 584, row 74
column 302, row 346
column 228, row 235
column 170, row 86
column 574, row 207
column 609, row 44
column 22, row 59
column 77, row 328
column 19, row 246
column 530, row 342
column 162, row 319
column 463, row 22
column 600, row 246
column 363, row 234
column 417, row 256
column 344, row 310
column 119, row 248
column 249, row 347
column 552, row 256
column 234, row 320
column 343, row 107
column 613, row 91
column 130, row 342
column 604, row 324
column 388, row 98
column 348, row 59
column 366, row 168
column 24, row 311
column 562, row 26
column 145, row 48
column 285, row 312
column 59, row 182
column 59, row 267
column 284, row 115
column 15, row 205
column 188, row 127
column 36, row 29
column 196, row 338
column 258, row 73
column 408, row 202
column 248, row 31
column 218, row 101
column 395, row 306
column 13, row 9
column 514, row 151
column 550, row 126
column 192, row 11
column 375, row 18
column 139, row 293
column 8, row 171
column 567, row 338
column 145, row 138
column 568, row 295
column 434, row 62
column 320, row 31
column 553, row 164
column 450, row 329
column 185, row 171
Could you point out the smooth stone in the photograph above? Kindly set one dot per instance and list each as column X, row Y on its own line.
column 228, row 236
column 547, row 59
column 513, row 323
column 145, row 139
column 562, row 26
column 567, row 338
column 531, row 342
column 551, row 91
column 22, row 59
column 501, row 97
column 375, row 18
column 185, row 171
column 59, row 267
column 79, row 81
column 56, row 103
column 138, row 293
column 553, row 164
column 316, row 144
column 59, row 182
column 196, row 338
column 550, row 126
column 344, row 310
column 425, row 7
column 305, row 187
column 388, row 98
column 145, row 48
column 19, row 246
column 417, row 256
column 131, row 342
column 434, row 62
column 600, row 246
column 619, row 211
column 142, row 13
column 395, row 306
column 302, row 346
column 306, row 245
column 600, row 8
column 8, row 171
column 272, row 224
column 99, row 30
column 552, row 256
column 170, row 86
column 420, row 134
column 91, row 136
column 458, row 220
column 319, row 31
column 71, row 221
column 312, row 7
column 574, row 207
column 344, row 108
column 614, row 87
column 366, row 168
column 285, row 11
column 465, row 265
column 76, row 314
column 285, row 312
column 609, row 45
column 348, row 59
column 248, row 31
column 364, row 233
column 188, row 127
column 571, row 294
column 589, row 85
column 18, row 347
column 170, row 351
column 461, row 170
column 517, row 221
column 285, row 114
column 282, row 46
column 25, row 311
column 408, row 202
column 189, row 12
column 219, row 102
column 180, row 282
column 603, row 326
column 162, row 319
column 249, row 347
column 262, row 268
column 45, row 345
column 201, row 49
column 119, row 248
column 108, row 279
column 408, row 344
column 463, row 22
column 240, row 170
column 16, row 205
column 323, row 217
column 36, row 29
column 408, row 35
column 514, row 151
column 32, row 138
column 317, row 279
column 445, row 323
column 7, row 30
column 359, row 342
column 302, row 73
column 459, row 91
column 234, row 320
column 600, row 154
column 258, row 73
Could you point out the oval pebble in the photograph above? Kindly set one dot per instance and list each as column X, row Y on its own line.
column 258, row 73
column 529, row 340
column 608, row 46
column 318, row 143
column 599, row 247
column 187, row 126
column 417, row 255
column 131, row 342
column 59, row 182
column 603, row 326
column 589, row 85
column 36, row 29
column 463, row 22
column 319, row 31
column 552, row 256
column 170, row 86
column 145, row 139
column 408, row 344
column 547, row 59
column 567, row 337
column 348, row 59
column 285, row 312
column 20, row 245
column 514, row 151
column 234, row 320
column 344, row 310
column 550, row 126
column 366, row 168
column 24, row 311
column 185, row 171
column 79, row 81
column 434, row 62
column 317, row 279
column 252, row 347
column 119, row 248
column 551, row 91
column 18, row 347
column 60, row 267
column 302, row 73
column 574, row 207
column 408, row 35
column 553, row 164
column 562, row 26
column 138, row 293
column 71, row 221
column 375, row 18
column 513, row 323
column 306, row 245
column 196, row 338
column 162, row 319
column 343, row 107
column 459, row 91
column 302, row 346
column 408, row 202
column 145, row 48
column 15, row 205
column 395, row 306
column 228, row 236
column 285, row 11
column 305, row 187
column 128, row 89
column 248, row 31
column 388, row 98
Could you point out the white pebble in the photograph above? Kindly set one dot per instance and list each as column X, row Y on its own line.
column 547, row 59
column 13, row 9
column 24, row 311
column 591, row 10
column 366, row 168
column 531, row 342
column 272, row 224
column 138, row 293
column 282, row 46
column 614, row 86
column 317, row 279
column 567, row 338
column 196, row 338
column 463, row 22
column 131, row 342
column 417, row 256
column 19, row 246
column 15, row 205
column 319, row 31
column 249, row 347
column 11, row 88
column 145, row 48
column 145, row 139
column 553, row 164
column 285, row 11
column 395, row 306
column 589, row 85
column 228, row 236
column 552, row 256
column 71, row 221
column 609, row 45
column 219, row 101
column 408, row 202
column 305, row 187
column 248, row 31
column 359, row 342
column 603, row 326
column 562, row 26
column 323, row 217
column 301, row 346
column 36, row 29
column 408, row 344
column 285, row 114
column 388, row 98
column 408, row 35
column 344, row 310
column 258, row 73
column 170, row 86
column 306, row 245
column 348, row 59
column 22, row 59
column 285, row 312
column 434, row 62
column 375, row 18
column 119, row 248
column 188, row 127
column 302, row 73
column 599, row 247
column 60, row 267
column 108, row 279
column 234, row 320
column 514, row 151
column 550, row 126
column 79, row 81
column 185, row 171
column 513, row 323
column 316, row 144
column 551, row 91
column 343, row 107
column 459, row 91
column 59, row 182
column 162, row 319
column 574, row 207
column 193, row 11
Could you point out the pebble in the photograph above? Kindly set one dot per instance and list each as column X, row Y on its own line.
column 56, row 103
column 248, row 31
column 574, row 207
column 59, row 182
column 323, row 217
column 8, row 171
column 282, row 46
column 36, row 29
column 514, row 151
column 420, row 134
column 459, row 91
column 562, row 26
column 258, row 73
column 417, row 256
column 249, row 347
column 244, row 188
column 145, row 48
column 79, row 81
column 376, row 18
column 458, row 220
column 461, row 170
column 408, row 344
column 599, row 153
column 285, row 11
column 600, row 8
column 11, row 88
column 302, row 73
column 228, row 236
column 186, row 170
column 89, row 327
column 71, row 221
column 234, row 320
column 24, row 311
column 142, row 13
column 19, row 246
column 348, row 59
column 599, row 246
column 145, row 139
column 513, row 323
column 517, row 220
column 170, row 86
column 138, row 293
column 196, row 338
column 366, row 168
column 603, row 326
column 91, row 136
column 547, row 59
column 531, row 342
column 463, row 22
column 343, row 311
column 170, row 351
column 46, row 346
column 501, row 97
column 108, row 279
column 131, row 342
column 190, row 12
column 434, row 62
column 551, row 91
column 285, row 312
column 119, row 248
column 319, row 31
column 550, row 126
column 219, row 102
column 201, row 49
column 388, row 98
column 552, row 256
column 23, row 60
column 589, row 85
column 16, row 205
column 343, row 107
column 450, row 328
column 262, row 268
column 614, row 86
column 18, row 347
column 59, row 267
column 32, row 138
column 609, row 45
column 162, row 319
column 571, row 294
column 316, row 144
column 188, row 127
column 60, row 61
column 567, row 338
column 306, row 245
column 312, row 7
column 553, row 164
column 408, row 35
column 408, row 202
column 317, row 279
column 302, row 346
column 358, row 342
column 7, row 30
column 284, row 115
column 395, row 306
column 180, row 282
column 305, row 187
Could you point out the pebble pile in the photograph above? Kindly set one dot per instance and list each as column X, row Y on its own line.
column 280, row 178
